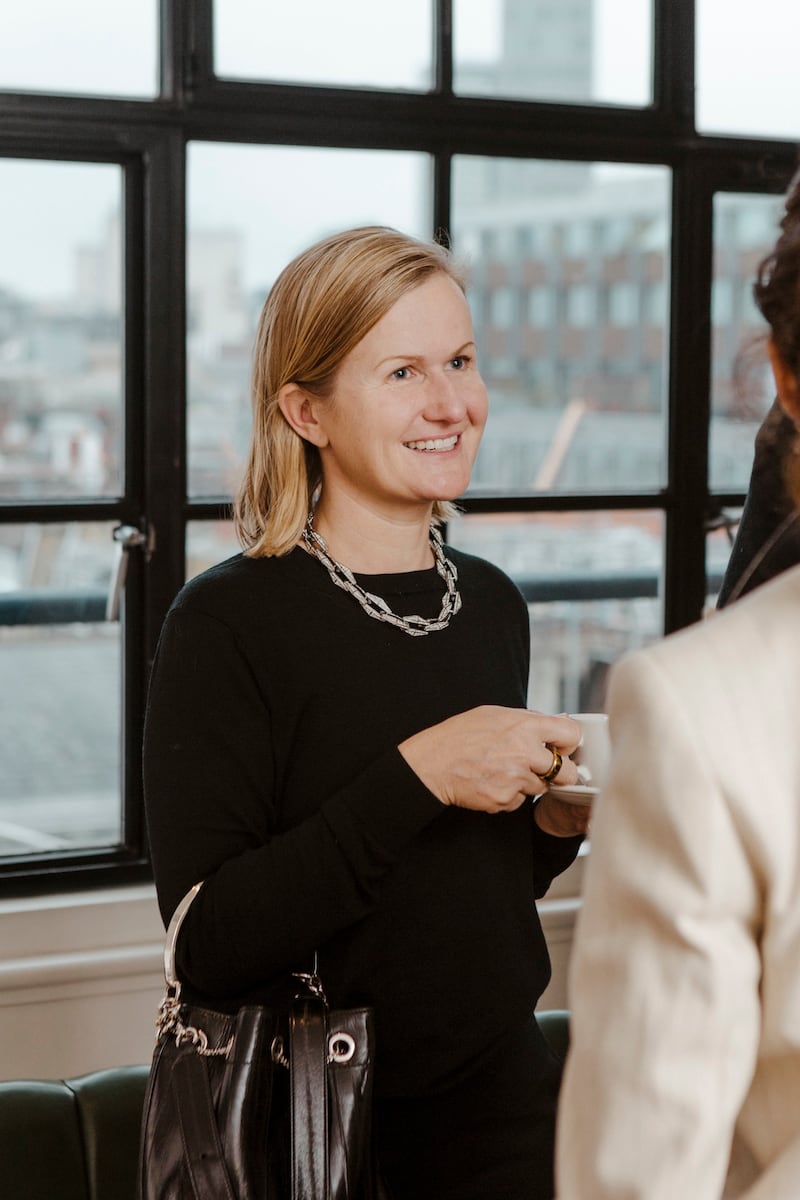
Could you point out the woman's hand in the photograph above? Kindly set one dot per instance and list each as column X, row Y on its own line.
column 490, row 758
column 560, row 818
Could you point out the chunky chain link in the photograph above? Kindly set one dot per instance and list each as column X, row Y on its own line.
column 375, row 606
column 169, row 1023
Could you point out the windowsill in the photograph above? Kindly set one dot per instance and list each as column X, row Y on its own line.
column 117, row 932
column 64, row 939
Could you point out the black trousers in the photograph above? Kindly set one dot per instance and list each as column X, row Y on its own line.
column 490, row 1138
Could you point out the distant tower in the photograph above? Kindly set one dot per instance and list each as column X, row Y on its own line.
column 547, row 50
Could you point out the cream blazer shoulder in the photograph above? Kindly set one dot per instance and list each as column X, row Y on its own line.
column 684, row 1071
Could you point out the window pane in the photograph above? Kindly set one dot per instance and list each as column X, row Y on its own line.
column 578, row 387
column 356, row 42
column 251, row 208
column 579, row 51
column 593, row 584
column 745, row 228
column 208, row 543
column 84, row 46
column 59, row 690
column 61, row 377
column 747, row 80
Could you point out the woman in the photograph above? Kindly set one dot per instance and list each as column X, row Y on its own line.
column 336, row 738
column 684, row 1070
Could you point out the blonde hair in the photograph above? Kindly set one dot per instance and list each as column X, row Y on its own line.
column 320, row 307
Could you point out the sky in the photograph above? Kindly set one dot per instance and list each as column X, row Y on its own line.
column 747, row 81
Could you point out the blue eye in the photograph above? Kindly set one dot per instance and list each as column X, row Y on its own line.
column 402, row 373
column 460, row 363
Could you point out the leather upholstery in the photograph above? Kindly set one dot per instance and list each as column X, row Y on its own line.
column 554, row 1024
column 78, row 1139
column 74, row 1139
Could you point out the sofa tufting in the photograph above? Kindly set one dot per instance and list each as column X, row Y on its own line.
column 78, row 1139
column 72, row 1139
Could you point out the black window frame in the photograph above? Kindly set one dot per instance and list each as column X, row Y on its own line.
column 149, row 139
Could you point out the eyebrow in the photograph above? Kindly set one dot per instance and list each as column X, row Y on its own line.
column 411, row 358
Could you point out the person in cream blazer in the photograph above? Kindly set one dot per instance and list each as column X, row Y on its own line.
column 683, row 1076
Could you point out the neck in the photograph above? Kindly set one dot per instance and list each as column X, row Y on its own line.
column 373, row 545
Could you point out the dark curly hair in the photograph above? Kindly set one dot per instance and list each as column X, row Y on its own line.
column 777, row 287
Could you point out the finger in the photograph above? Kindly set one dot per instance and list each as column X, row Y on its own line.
column 560, row 731
column 552, row 766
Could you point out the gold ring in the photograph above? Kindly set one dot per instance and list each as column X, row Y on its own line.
column 555, row 766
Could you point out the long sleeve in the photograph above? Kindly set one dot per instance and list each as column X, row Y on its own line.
column 551, row 856
column 665, row 976
column 272, row 773
column 214, row 813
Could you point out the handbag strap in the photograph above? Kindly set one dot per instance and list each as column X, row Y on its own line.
column 308, row 1055
column 203, row 1154
column 173, row 929
column 308, row 1091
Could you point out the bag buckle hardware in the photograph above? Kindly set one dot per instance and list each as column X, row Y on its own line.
column 341, row 1048
column 313, row 982
column 278, row 1052
column 169, row 1022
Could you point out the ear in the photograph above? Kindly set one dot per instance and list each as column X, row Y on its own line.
column 785, row 383
column 298, row 409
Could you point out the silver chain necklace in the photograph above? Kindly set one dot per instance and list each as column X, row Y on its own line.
column 375, row 606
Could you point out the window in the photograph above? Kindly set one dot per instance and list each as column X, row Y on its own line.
column 241, row 231
column 550, row 431
column 61, row 305
column 293, row 42
column 624, row 308
column 82, row 47
column 581, row 305
column 502, row 307
column 566, row 50
column 541, row 307
column 736, row 42
column 741, row 384
column 160, row 162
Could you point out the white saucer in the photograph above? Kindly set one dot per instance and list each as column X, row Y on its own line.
column 574, row 793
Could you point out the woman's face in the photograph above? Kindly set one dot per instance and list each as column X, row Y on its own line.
column 408, row 405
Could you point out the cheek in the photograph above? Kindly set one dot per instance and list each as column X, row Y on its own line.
column 479, row 406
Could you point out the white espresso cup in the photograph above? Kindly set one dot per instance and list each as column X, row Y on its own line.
column 593, row 755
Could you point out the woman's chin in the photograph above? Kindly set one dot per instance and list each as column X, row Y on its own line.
column 447, row 484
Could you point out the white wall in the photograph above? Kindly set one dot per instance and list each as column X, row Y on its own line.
column 81, row 977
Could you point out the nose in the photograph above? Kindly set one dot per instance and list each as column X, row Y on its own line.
column 445, row 400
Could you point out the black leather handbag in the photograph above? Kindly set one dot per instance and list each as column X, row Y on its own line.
column 258, row 1105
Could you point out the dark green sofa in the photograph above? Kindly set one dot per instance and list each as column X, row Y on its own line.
column 72, row 1139
column 554, row 1024
column 78, row 1139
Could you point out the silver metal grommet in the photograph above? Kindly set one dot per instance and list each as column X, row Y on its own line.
column 341, row 1047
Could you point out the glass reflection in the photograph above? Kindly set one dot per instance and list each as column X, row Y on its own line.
column 574, row 257
column 61, row 341
column 59, row 690
column 572, row 51
column 746, row 71
column 593, row 585
column 251, row 208
column 84, row 47
column 745, row 228
column 355, row 43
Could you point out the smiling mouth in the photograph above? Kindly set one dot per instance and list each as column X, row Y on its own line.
column 434, row 445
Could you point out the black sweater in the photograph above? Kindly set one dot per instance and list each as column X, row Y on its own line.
column 272, row 772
